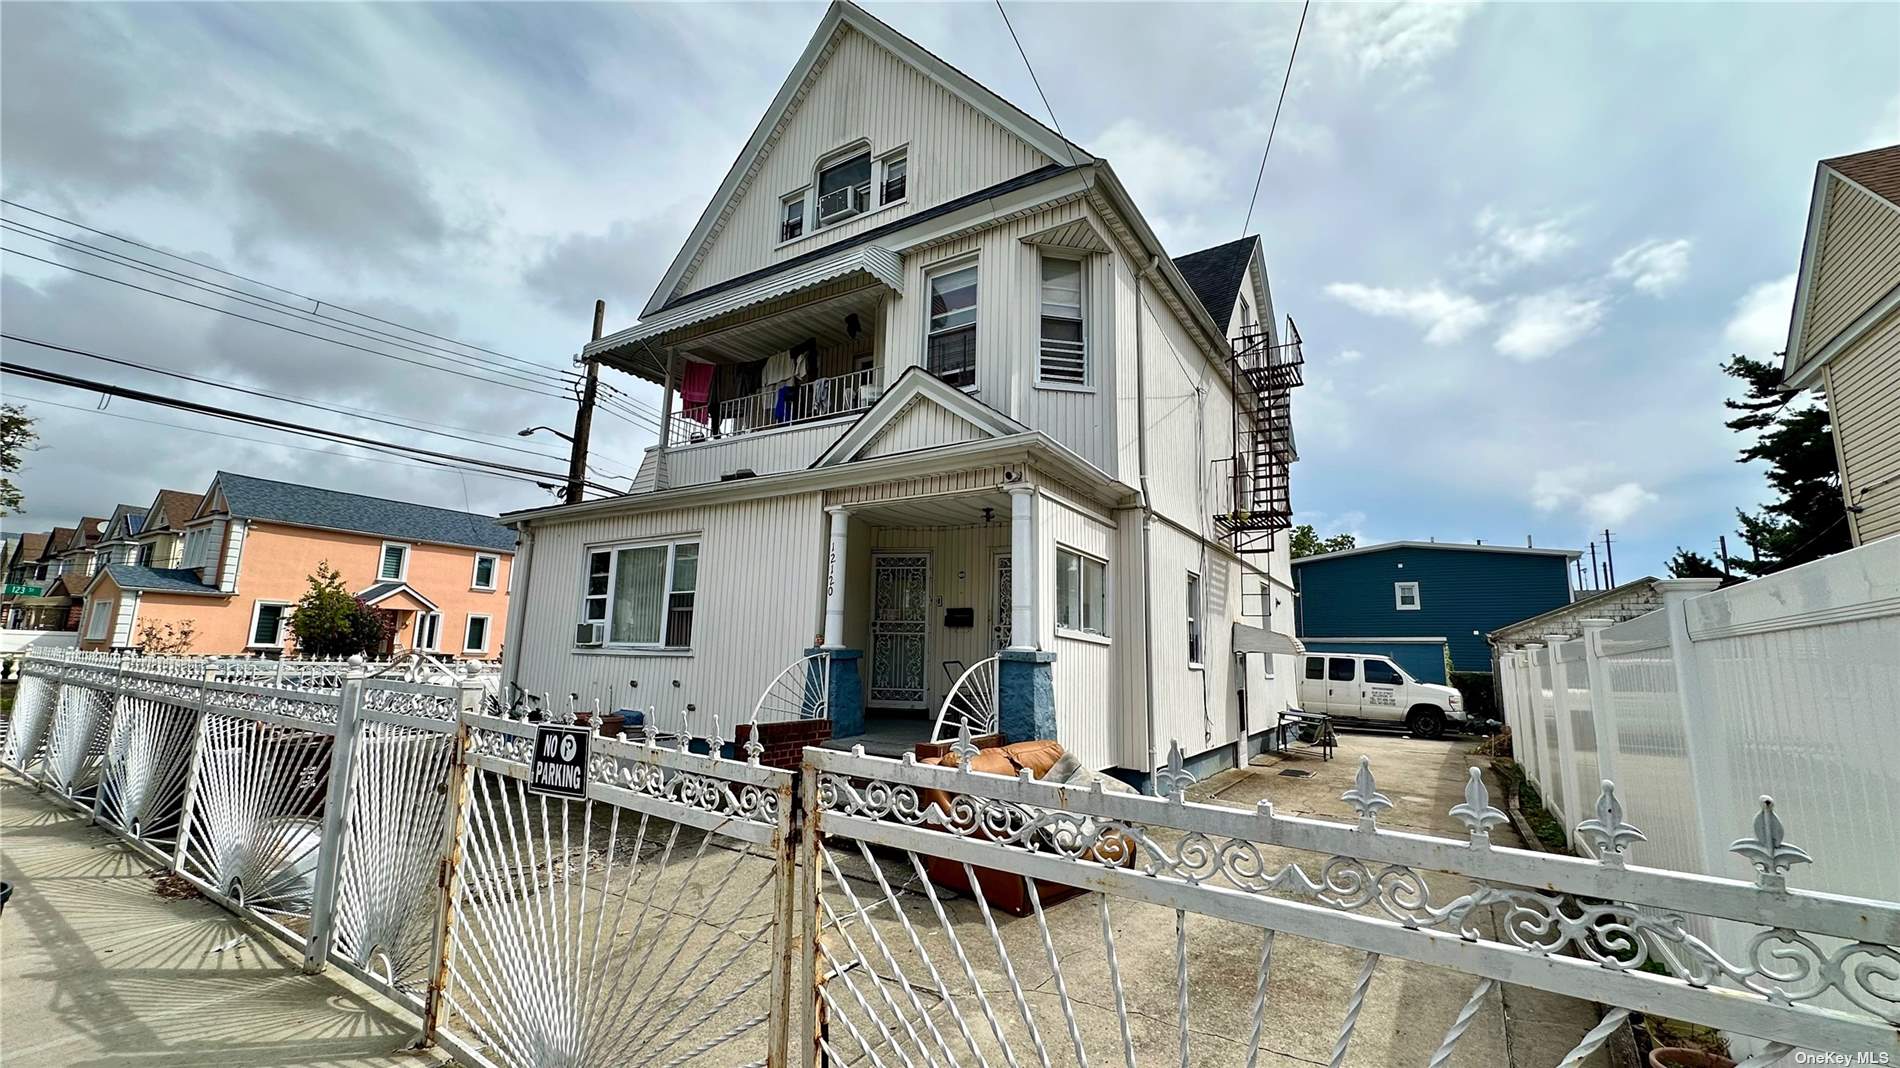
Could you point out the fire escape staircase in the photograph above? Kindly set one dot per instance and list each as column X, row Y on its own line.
column 1263, row 372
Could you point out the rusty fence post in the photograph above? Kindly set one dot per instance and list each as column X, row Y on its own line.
column 448, row 887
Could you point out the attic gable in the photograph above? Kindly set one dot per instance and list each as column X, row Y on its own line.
column 1848, row 263
column 859, row 84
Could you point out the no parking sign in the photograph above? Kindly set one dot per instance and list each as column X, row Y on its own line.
column 559, row 767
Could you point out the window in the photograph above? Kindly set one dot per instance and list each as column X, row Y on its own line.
column 99, row 624
column 485, row 568
column 1315, row 667
column 428, row 630
column 475, row 636
column 1405, row 596
column 1244, row 316
column 1382, row 673
column 197, row 547
column 644, row 593
column 950, row 342
column 1081, row 592
column 395, row 563
column 146, row 552
column 1064, row 353
column 1341, row 668
column 1194, row 617
column 267, row 623
column 792, row 217
column 896, row 171
column 844, row 188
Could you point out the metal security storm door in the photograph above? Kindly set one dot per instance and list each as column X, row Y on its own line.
column 900, row 624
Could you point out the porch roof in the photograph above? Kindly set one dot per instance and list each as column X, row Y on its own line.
column 631, row 349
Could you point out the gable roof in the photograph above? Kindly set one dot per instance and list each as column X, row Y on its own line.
column 156, row 580
column 912, row 387
column 169, row 509
column 1449, row 546
column 1215, row 275
column 58, row 541
column 79, row 537
column 843, row 13
column 383, row 591
column 29, row 547
column 307, row 506
column 1876, row 170
column 1875, row 173
column 124, row 522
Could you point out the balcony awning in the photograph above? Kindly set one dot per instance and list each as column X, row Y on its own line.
column 636, row 349
column 1250, row 639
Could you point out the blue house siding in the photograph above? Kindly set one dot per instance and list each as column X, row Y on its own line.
column 1424, row 661
column 1464, row 593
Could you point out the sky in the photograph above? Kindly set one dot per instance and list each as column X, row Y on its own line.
column 1518, row 239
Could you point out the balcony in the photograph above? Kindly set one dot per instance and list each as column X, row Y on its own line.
column 774, row 407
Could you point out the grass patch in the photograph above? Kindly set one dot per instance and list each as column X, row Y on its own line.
column 7, row 690
column 1544, row 825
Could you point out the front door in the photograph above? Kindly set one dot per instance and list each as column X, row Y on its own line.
column 1001, row 619
column 900, row 625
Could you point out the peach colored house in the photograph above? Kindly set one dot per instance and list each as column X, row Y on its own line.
column 245, row 553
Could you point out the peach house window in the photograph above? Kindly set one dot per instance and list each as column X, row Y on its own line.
column 486, row 567
column 476, row 639
column 394, row 566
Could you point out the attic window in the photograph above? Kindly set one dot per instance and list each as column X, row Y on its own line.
column 844, row 188
column 792, row 217
column 896, row 178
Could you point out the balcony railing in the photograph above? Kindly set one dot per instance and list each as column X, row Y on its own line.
column 795, row 402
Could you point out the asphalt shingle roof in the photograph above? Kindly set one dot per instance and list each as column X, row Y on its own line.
column 308, row 506
column 159, row 579
column 177, row 507
column 1877, row 169
column 1214, row 274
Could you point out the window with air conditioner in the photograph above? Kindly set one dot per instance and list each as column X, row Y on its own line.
column 642, row 596
column 1063, row 356
column 844, row 188
column 950, row 337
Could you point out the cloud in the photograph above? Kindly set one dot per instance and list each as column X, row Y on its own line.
column 1545, row 323
column 1398, row 39
column 1510, row 243
column 1158, row 167
column 1445, row 316
column 1759, row 326
column 1351, row 356
column 1579, row 489
column 1653, row 267
column 620, row 266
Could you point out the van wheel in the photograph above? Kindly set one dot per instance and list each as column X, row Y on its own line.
column 1426, row 722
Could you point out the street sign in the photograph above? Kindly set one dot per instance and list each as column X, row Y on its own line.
column 559, row 766
column 15, row 589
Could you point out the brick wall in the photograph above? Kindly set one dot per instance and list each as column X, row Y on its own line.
column 784, row 742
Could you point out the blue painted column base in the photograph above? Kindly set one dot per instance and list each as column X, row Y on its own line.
column 1026, row 694
column 847, row 691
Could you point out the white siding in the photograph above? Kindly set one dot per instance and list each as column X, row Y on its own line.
column 1858, row 262
column 766, row 452
column 760, row 599
column 1863, row 398
column 233, row 553
column 125, row 618
column 861, row 92
column 922, row 425
column 1088, row 698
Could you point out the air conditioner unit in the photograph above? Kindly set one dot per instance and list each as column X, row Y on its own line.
column 839, row 204
column 588, row 633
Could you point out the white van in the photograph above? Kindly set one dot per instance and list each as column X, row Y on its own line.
column 1373, row 688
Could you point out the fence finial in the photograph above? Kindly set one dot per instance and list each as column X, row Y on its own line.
column 1477, row 813
column 1365, row 797
column 1768, row 849
column 1608, row 834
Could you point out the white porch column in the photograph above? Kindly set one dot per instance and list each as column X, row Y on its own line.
column 835, row 561
column 1024, row 629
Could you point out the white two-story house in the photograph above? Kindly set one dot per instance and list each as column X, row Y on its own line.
column 935, row 399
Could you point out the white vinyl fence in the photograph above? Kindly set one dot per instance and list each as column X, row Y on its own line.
column 700, row 909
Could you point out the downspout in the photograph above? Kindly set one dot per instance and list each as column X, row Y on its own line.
column 1147, row 518
column 519, row 573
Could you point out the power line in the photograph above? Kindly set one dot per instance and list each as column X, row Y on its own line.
column 444, row 459
column 146, row 267
column 255, row 441
column 1037, row 82
column 365, row 414
column 1275, row 124
column 258, row 282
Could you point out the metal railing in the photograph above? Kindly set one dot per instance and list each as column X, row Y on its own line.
column 794, row 402
column 386, row 827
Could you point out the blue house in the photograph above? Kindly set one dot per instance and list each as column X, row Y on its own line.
column 1413, row 600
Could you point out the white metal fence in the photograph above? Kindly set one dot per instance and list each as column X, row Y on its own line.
column 700, row 909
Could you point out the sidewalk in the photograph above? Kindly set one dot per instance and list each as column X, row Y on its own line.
column 97, row 969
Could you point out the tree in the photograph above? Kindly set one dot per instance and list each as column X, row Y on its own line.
column 330, row 621
column 16, row 436
column 1307, row 542
column 1808, row 519
column 170, row 639
column 1688, row 564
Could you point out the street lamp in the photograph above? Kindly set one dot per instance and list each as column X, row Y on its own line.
column 530, row 433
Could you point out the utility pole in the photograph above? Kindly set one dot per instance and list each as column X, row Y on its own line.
column 1596, row 576
column 584, row 417
column 1721, row 544
column 1609, row 560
